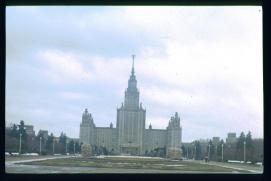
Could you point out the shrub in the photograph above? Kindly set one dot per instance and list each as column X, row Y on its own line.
column 43, row 152
column 174, row 153
column 86, row 150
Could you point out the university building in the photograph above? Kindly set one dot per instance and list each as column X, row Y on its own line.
column 130, row 135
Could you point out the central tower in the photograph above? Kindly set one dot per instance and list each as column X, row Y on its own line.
column 131, row 101
column 131, row 119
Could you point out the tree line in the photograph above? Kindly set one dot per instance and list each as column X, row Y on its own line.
column 244, row 145
column 38, row 143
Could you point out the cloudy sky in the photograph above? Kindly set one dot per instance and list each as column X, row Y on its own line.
column 203, row 62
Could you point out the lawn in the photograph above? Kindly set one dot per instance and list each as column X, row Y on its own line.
column 133, row 163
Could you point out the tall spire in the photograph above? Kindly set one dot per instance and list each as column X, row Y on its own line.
column 132, row 80
column 133, row 71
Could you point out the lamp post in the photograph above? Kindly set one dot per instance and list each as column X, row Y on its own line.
column 209, row 152
column 195, row 152
column 74, row 147
column 222, row 151
column 53, row 145
column 244, row 151
column 40, row 145
column 66, row 147
column 192, row 151
column 32, row 143
column 20, row 146
column 103, row 146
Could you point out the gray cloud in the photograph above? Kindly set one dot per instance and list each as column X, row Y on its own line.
column 204, row 63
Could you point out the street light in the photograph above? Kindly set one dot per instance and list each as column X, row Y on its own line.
column 66, row 147
column 40, row 145
column 244, row 151
column 20, row 147
column 192, row 151
column 195, row 152
column 74, row 147
column 53, row 145
column 222, row 151
column 209, row 152
column 32, row 143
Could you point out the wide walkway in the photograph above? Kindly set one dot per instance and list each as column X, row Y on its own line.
column 21, row 159
column 257, row 169
column 11, row 165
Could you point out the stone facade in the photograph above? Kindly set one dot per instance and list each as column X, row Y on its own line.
column 43, row 133
column 216, row 140
column 231, row 138
column 29, row 129
column 130, row 135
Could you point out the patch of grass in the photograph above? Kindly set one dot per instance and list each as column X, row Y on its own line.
column 131, row 163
